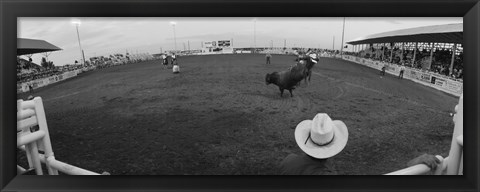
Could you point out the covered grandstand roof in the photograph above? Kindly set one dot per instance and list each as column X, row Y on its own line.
column 450, row 33
column 31, row 46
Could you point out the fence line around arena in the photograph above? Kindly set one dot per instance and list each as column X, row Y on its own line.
column 37, row 83
column 426, row 78
column 42, row 82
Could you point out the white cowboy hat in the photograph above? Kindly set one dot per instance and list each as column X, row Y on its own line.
column 321, row 137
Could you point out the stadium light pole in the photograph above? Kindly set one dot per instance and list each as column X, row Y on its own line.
column 82, row 57
column 174, row 34
column 343, row 34
column 255, row 33
column 333, row 48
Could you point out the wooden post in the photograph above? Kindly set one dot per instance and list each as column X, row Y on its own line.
column 391, row 53
column 414, row 54
column 431, row 56
column 384, row 46
column 453, row 59
column 401, row 54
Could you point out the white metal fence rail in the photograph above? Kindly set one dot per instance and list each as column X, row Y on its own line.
column 451, row 165
column 34, row 142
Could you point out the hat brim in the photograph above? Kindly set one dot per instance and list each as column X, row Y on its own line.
column 321, row 152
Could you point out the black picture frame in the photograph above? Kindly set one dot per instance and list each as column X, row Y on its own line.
column 12, row 9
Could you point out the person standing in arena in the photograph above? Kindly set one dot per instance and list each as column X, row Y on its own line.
column 383, row 70
column 30, row 87
column 402, row 69
column 174, row 58
column 164, row 61
column 268, row 57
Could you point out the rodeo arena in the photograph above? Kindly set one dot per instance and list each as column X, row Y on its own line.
column 391, row 105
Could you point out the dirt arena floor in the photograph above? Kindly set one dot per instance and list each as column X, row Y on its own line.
column 219, row 117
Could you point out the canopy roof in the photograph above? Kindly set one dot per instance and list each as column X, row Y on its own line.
column 31, row 46
column 450, row 33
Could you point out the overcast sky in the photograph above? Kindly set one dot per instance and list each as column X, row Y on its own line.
column 104, row 36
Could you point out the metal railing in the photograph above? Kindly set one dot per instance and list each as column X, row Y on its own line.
column 451, row 165
column 31, row 114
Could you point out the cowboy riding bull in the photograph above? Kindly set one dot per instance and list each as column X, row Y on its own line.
column 290, row 78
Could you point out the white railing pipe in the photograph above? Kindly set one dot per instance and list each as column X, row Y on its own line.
column 455, row 153
column 67, row 168
column 460, row 140
column 29, row 138
column 61, row 166
column 33, row 150
column 20, row 170
column 26, row 123
column 42, row 123
column 22, row 114
column 29, row 104
column 420, row 169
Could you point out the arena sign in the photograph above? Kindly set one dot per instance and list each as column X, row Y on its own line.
column 210, row 44
column 216, row 44
column 224, row 43
column 425, row 77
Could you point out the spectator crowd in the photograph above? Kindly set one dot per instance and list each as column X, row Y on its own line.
column 28, row 71
column 441, row 59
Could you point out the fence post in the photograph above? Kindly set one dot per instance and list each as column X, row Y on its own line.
column 414, row 54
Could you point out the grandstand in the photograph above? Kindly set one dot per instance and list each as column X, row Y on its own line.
column 433, row 55
column 29, row 73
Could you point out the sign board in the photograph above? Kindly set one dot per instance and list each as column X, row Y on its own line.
column 415, row 74
column 425, row 77
column 224, row 43
column 209, row 44
column 439, row 81
column 453, row 86
column 433, row 79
